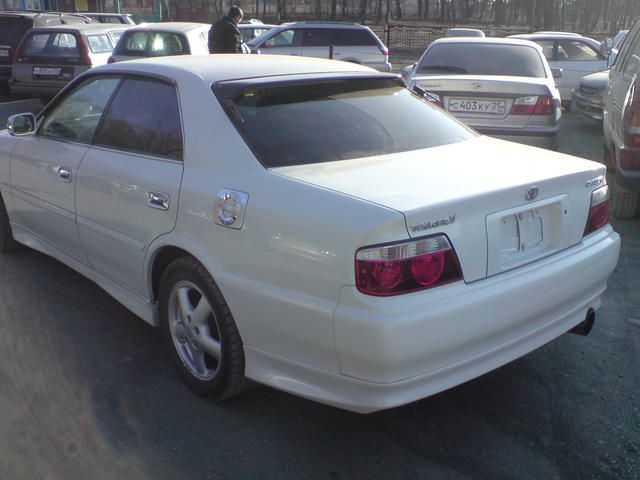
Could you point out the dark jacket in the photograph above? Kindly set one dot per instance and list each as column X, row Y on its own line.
column 224, row 37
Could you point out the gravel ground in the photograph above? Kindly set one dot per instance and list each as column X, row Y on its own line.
column 87, row 392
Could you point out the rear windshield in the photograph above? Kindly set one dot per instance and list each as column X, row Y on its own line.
column 12, row 29
column 482, row 59
column 324, row 121
column 152, row 44
column 51, row 44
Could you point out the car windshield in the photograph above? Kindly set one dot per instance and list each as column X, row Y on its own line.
column 482, row 59
column 299, row 123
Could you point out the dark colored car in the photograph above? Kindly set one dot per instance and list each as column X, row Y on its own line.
column 14, row 25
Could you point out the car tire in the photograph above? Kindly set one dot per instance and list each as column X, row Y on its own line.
column 7, row 243
column 206, row 346
column 625, row 202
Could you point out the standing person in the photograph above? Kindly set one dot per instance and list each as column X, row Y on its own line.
column 224, row 36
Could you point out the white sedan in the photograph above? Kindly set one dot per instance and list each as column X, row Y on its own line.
column 576, row 55
column 307, row 224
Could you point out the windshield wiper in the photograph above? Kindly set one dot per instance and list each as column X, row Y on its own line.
column 443, row 68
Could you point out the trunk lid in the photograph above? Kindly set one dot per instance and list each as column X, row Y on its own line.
column 461, row 93
column 475, row 192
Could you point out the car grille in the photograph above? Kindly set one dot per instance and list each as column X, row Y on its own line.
column 590, row 92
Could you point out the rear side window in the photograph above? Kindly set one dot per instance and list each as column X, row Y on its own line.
column 51, row 45
column 547, row 48
column 354, row 37
column 632, row 63
column 165, row 44
column 13, row 29
column 304, row 123
column 482, row 59
column 571, row 50
column 315, row 37
column 144, row 118
column 99, row 43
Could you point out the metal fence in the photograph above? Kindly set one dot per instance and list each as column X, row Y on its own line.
column 415, row 38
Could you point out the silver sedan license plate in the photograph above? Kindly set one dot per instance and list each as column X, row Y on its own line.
column 46, row 71
column 470, row 105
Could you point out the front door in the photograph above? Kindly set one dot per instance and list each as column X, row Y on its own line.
column 287, row 42
column 44, row 166
column 129, row 180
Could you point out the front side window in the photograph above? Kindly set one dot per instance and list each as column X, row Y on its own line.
column 299, row 123
column 76, row 117
column 143, row 118
column 482, row 59
column 572, row 50
column 282, row 39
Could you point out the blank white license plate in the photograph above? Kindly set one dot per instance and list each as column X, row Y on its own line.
column 46, row 71
column 4, row 53
column 494, row 107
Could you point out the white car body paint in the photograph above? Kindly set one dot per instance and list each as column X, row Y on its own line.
column 288, row 275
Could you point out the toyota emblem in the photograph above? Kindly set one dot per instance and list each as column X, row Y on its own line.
column 532, row 193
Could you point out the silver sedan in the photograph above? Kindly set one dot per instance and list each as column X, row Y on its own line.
column 500, row 87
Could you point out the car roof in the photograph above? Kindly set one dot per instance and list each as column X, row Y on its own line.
column 255, row 26
column 171, row 26
column 487, row 40
column 548, row 36
column 216, row 68
column 337, row 25
column 34, row 15
column 105, row 14
column 85, row 27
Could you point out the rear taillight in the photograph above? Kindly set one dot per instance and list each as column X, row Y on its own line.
column 631, row 120
column 17, row 52
column 84, row 52
column 406, row 267
column 630, row 158
column 383, row 50
column 599, row 210
column 534, row 105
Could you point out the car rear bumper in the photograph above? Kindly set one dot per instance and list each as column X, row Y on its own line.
column 591, row 107
column 33, row 88
column 543, row 137
column 396, row 350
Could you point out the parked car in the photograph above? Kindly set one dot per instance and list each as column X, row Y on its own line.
column 48, row 58
column 349, row 42
column 621, row 126
column 576, row 55
column 464, row 32
column 14, row 25
column 162, row 39
column 587, row 98
column 616, row 45
column 308, row 224
column 121, row 18
column 249, row 31
column 500, row 87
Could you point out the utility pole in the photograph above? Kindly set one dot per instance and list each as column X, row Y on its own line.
column 533, row 15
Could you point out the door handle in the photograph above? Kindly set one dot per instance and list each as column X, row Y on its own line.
column 64, row 174
column 158, row 200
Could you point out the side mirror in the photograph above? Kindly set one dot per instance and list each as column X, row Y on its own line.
column 556, row 72
column 21, row 124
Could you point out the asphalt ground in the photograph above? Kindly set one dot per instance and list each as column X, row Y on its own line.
column 87, row 392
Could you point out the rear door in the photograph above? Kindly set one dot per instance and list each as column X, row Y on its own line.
column 356, row 44
column 128, row 184
column 577, row 59
column 316, row 42
column 44, row 166
column 12, row 29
